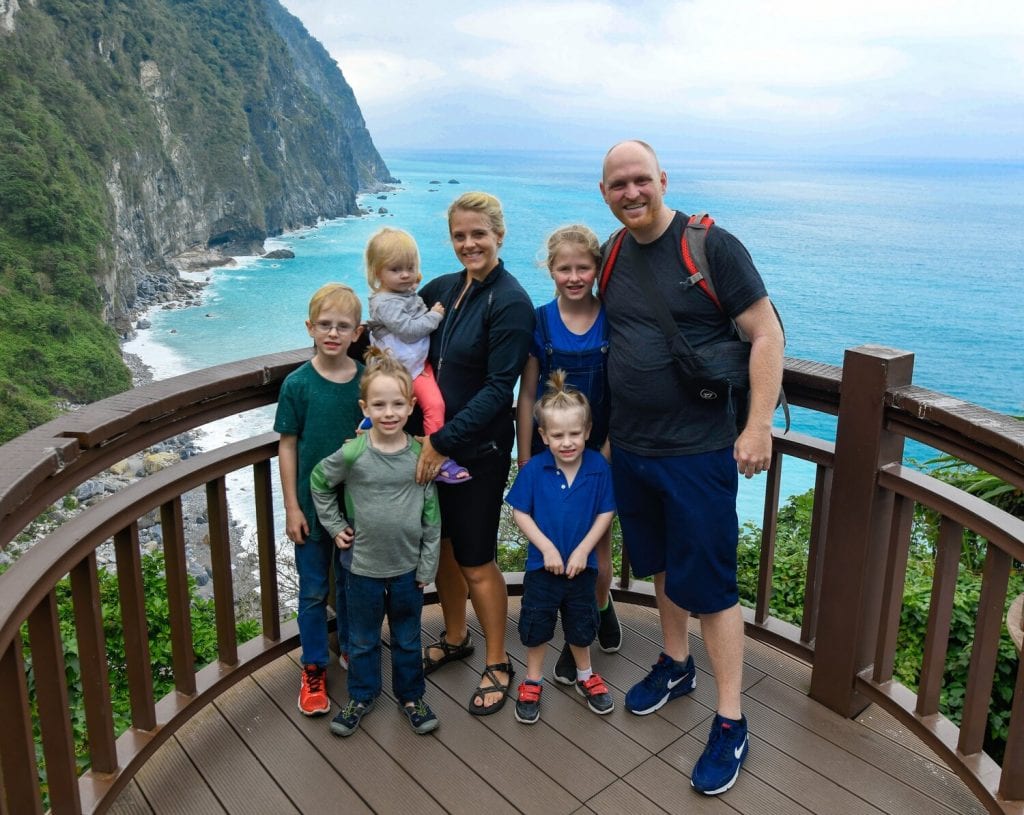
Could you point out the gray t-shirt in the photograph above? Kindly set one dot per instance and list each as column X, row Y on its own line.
column 651, row 413
column 397, row 521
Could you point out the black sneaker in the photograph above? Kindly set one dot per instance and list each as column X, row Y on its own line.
column 565, row 668
column 528, row 703
column 609, row 632
column 420, row 716
column 347, row 721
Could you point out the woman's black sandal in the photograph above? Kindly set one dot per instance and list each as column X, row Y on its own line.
column 494, row 687
column 450, row 652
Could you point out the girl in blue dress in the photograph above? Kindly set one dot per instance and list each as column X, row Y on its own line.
column 572, row 334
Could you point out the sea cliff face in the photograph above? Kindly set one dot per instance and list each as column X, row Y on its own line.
column 135, row 136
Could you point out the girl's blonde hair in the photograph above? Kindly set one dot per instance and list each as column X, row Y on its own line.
column 380, row 362
column 484, row 203
column 578, row 235
column 390, row 246
column 560, row 396
column 336, row 295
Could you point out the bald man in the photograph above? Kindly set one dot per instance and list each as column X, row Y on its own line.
column 676, row 458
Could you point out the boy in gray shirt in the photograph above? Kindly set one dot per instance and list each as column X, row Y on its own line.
column 389, row 534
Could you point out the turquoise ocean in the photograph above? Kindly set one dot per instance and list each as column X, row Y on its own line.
column 923, row 256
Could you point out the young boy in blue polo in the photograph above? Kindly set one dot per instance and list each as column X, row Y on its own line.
column 562, row 501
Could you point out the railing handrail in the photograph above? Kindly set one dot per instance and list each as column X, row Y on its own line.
column 48, row 462
column 42, row 465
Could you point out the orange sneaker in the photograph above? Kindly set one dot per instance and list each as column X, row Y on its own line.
column 313, row 699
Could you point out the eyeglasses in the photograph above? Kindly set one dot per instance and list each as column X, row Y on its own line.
column 324, row 327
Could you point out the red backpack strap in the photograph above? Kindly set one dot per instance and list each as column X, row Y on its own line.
column 695, row 257
column 614, row 245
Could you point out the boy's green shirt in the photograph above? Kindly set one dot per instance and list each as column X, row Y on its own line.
column 321, row 414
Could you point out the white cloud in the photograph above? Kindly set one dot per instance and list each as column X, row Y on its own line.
column 380, row 74
column 790, row 67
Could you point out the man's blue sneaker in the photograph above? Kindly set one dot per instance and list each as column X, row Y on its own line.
column 667, row 680
column 719, row 765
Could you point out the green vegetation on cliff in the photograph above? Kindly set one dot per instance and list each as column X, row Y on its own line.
column 131, row 132
column 54, row 228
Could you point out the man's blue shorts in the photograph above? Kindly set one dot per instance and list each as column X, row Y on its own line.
column 678, row 516
column 545, row 594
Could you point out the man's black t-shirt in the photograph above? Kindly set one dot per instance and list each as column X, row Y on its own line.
column 651, row 413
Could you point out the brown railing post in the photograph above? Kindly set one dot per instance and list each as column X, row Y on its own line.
column 858, row 525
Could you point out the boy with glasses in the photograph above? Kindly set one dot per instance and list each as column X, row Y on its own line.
column 317, row 409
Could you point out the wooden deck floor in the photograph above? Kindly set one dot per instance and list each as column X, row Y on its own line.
column 252, row 752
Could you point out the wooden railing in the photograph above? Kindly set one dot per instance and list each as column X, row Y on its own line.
column 857, row 554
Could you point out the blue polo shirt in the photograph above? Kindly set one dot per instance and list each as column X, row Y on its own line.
column 564, row 513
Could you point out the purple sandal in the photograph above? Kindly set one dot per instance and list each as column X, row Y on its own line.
column 452, row 473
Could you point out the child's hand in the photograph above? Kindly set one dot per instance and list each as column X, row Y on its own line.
column 343, row 540
column 437, row 308
column 295, row 526
column 577, row 563
column 553, row 561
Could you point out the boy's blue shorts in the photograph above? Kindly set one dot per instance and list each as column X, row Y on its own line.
column 545, row 594
column 678, row 516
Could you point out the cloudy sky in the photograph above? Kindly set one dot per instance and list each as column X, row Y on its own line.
column 926, row 78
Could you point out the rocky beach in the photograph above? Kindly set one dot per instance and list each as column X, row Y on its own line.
column 181, row 289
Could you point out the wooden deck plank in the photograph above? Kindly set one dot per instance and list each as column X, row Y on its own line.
column 805, row 743
column 888, row 726
column 620, row 797
column 131, row 801
column 669, row 789
column 775, row 663
column 804, row 759
column 454, row 785
column 650, row 732
column 754, row 792
column 377, row 778
column 928, row 778
column 173, row 786
column 802, row 789
column 228, row 766
column 481, row 742
column 308, row 780
column 566, row 711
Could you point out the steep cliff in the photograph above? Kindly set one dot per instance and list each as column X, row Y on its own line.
column 132, row 133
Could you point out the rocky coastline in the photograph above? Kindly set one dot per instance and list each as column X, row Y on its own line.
column 181, row 287
column 165, row 290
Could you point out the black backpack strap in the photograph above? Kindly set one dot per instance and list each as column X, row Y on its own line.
column 695, row 259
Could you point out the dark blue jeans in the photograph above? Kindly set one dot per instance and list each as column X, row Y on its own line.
column 313, row 561
column 369, row 600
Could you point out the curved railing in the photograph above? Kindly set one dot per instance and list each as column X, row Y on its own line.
column 857, row 554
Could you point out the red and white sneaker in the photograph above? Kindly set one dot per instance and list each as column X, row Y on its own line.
column 313, row 699
column 595, row 691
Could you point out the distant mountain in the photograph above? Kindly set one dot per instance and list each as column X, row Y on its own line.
column 136, row 133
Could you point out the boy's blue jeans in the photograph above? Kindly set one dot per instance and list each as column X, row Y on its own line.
column 369, row 600
column 313, row 561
